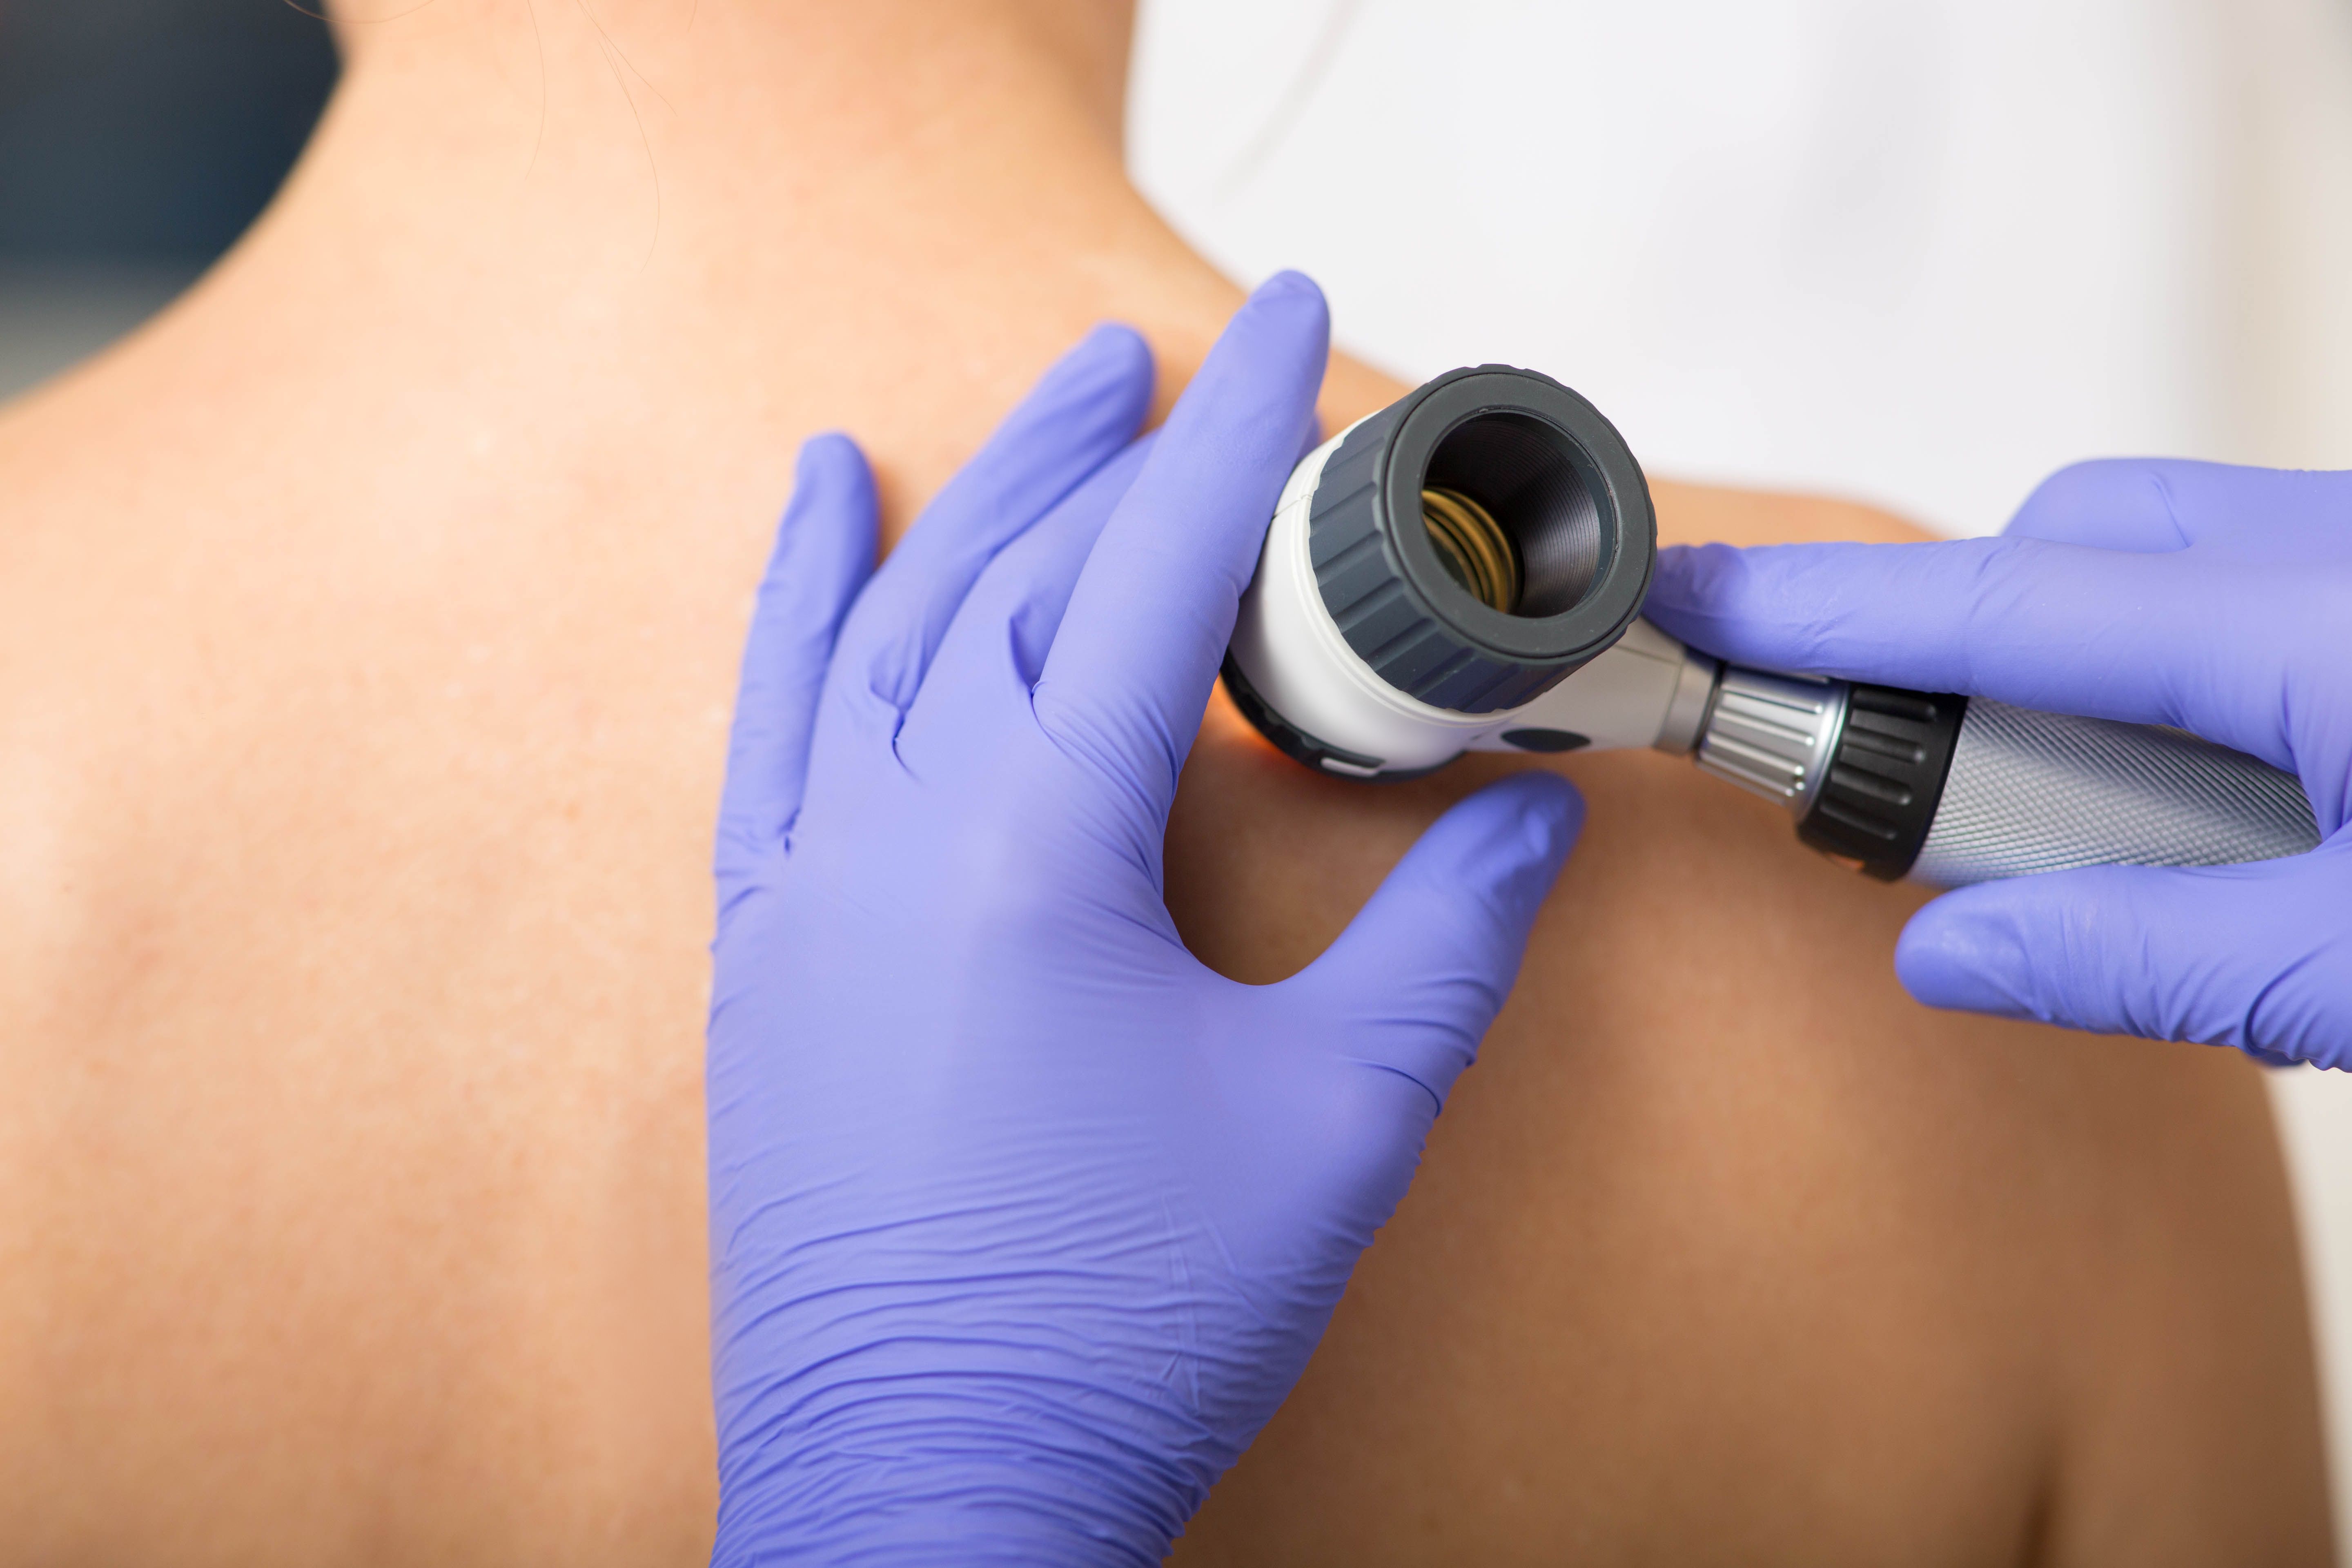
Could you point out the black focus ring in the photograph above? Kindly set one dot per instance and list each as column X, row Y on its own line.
column 1886, row 778
column 1556, row 460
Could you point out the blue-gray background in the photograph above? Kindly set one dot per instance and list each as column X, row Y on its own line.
column 149, row 131
column 138, row 138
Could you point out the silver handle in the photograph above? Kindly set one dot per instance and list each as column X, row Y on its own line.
column 2045, row 792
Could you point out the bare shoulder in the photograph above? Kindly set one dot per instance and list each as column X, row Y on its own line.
column 1728, row 1251
column 2193, row 1429
column 1703, row 514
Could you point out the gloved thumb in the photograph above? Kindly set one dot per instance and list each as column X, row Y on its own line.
column 2237, row 956
column 1414, row 981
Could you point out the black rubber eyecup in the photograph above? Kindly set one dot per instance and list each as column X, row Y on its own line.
column 1552, row 472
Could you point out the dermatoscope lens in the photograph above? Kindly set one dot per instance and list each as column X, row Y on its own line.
column 1510, row 516
column 1473, row 548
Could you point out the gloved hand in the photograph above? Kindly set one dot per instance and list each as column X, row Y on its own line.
column 1023, row 1222
column 2215, row 599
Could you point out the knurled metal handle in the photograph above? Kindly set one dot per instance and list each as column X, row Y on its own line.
column 2031, row 792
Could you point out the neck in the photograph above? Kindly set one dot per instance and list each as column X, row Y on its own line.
column 889, row 51
column 581, row 228
column 630, row 127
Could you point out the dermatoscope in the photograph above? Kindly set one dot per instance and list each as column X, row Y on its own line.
column 1465, row 570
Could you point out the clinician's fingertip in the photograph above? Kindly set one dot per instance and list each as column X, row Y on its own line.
column 1956, row 955
column 828, row 458
column 1572, row 807
column 1105, row 379
column 1288, row 283
column 829, row 447
column 1553, row 810
column 831, row 482
column 1117, row 349
column 1295, row 300
column 1523, row 828
column 1553, row 832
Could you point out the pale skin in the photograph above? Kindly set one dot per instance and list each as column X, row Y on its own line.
column 367, row 631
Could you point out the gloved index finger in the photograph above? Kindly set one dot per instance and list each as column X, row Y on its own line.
column 1081, row 414
column 2150, row 639
column 1147, row 622
column 823, row 553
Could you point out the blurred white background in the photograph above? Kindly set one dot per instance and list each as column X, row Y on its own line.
column 1920, row 252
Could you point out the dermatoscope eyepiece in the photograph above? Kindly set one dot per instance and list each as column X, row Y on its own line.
column 1436, row 564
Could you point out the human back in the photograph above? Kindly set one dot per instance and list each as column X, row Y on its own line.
column 367, row 628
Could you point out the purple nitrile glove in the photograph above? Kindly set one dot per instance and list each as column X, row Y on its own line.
column 2215, row 599
column 1024, row 1222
